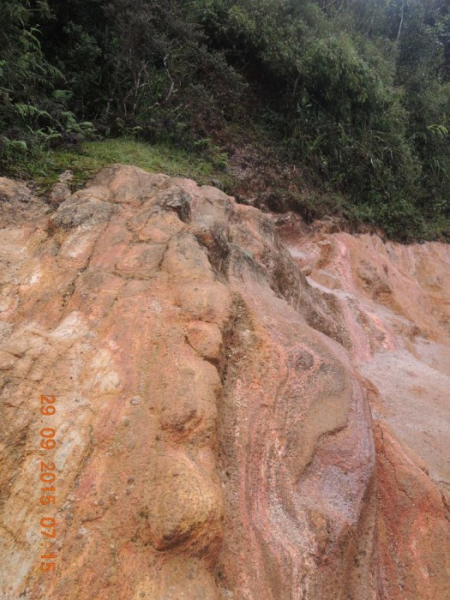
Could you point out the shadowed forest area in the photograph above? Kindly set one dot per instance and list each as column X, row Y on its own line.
column 326, row 107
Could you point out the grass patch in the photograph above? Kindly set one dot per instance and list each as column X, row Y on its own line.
column 45, row 168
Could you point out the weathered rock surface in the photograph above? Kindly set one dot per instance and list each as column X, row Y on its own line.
column 226, row 427
column 394, row 302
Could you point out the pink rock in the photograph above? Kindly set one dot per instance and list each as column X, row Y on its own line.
column 214, row 409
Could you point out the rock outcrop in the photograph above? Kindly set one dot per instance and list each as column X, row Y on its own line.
column 226, row 427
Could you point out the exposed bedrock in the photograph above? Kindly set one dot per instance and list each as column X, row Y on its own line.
column 226, row 427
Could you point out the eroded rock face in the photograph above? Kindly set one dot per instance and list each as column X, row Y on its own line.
column 214, row 431
column 394, row 303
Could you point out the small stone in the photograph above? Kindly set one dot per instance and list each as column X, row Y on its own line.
column 206, row 338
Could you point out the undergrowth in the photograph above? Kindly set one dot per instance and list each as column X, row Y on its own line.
column 46, row 166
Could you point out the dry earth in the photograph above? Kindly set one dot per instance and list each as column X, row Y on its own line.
column 244, row 410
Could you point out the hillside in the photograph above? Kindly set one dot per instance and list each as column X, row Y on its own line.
column 225, row 299
column 328, row 108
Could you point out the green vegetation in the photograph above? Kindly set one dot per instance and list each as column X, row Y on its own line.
column 341, row 106
column 46, row 166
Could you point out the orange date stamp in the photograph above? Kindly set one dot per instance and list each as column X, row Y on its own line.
column 48, row 483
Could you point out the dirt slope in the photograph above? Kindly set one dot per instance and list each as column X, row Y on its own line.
column 226, row 427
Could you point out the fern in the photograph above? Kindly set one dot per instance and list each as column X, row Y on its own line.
column 29, row 111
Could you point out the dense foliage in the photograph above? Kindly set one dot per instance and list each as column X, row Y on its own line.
column 355, row 92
